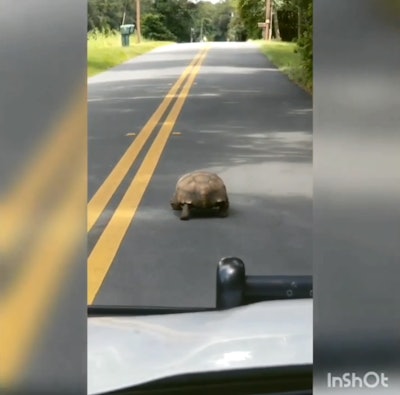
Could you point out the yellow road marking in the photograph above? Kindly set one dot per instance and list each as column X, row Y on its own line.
column 104, row 194
column 18, row 206
column 104, row 252
column 25, row 310
column 176, row 133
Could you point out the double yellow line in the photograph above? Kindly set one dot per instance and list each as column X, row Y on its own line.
column 106, row 248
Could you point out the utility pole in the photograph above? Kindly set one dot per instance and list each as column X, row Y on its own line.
column 267, row 20
column 298, row 21
column 138, row 17
column 201, row 30
column 271, row 16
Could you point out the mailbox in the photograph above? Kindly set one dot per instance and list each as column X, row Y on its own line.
column 126, row 31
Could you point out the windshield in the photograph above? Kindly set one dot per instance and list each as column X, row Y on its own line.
column 200, row 148
column 219, row 106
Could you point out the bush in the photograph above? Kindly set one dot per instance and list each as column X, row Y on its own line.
column 288, row 25
column 305, row 45
column 153, row 28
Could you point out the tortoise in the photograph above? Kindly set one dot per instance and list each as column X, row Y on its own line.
column 200, row 189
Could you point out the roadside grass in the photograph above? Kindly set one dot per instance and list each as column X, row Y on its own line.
column 283, row 56
column 105, row 52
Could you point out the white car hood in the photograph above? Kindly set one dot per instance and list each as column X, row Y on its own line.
column 128, row 351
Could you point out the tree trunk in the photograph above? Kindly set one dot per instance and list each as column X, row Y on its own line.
column 271, row 12
column 298, row 22
column 276, row 26
column 138, row 22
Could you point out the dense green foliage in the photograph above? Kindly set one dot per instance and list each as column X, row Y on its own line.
column 290, row 15
column 181, row 20
column 188, row 20
column 175, row 15
column 154, row 28
column 305, row 44
column 295, row 20
column 107, row 15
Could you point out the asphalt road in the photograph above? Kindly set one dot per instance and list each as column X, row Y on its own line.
column 242, row 119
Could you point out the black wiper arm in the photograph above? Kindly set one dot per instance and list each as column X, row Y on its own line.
column 234, row 289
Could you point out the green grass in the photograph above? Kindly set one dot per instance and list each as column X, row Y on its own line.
column 284, row 57
column 105, row 52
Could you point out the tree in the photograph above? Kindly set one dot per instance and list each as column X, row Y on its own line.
column 287, row 20
column 251, row 12
column 275, row 23
column 237, row 30
column 107, row 15
column 221, row 20
column 305, row 42
column 175, row 16
column 153, row 28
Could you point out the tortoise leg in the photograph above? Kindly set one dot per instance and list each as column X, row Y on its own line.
column 175, row 204
column 223, row 209
column 185, row 212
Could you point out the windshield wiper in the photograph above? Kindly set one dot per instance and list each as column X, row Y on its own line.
column 234, row 289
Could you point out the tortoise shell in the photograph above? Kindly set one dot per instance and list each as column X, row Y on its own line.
column 200, row 189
